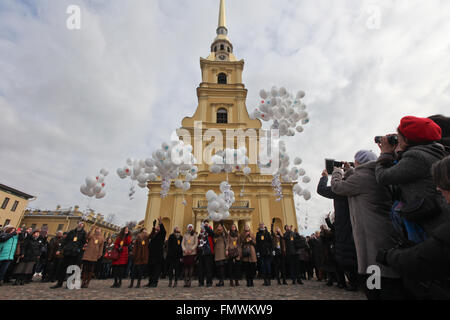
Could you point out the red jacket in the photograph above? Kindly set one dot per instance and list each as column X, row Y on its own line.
column 123, row 256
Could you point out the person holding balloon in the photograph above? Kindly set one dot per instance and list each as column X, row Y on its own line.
column 118, row 266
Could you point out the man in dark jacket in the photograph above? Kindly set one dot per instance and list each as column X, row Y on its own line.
column 54, row 255
column 174, row 256
column 291, row 253
column 345, row 250
column 206, row 254
column 264, row 251
column 155, row 253
column 72, row 251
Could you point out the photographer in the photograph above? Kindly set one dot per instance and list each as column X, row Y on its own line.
column 369, row 204
column 345, row 251
column 406, row 165
column 428, row 263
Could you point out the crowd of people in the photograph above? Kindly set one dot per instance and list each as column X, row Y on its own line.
column 390, row 211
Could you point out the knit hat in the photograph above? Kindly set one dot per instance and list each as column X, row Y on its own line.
column 419, row 129
column 364, row 156
column 5, row 228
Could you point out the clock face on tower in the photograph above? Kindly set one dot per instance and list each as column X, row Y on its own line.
column 222, row 57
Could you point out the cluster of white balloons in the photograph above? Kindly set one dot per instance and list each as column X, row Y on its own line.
column 169, row 162
column 95, row 185
column 230, row 159
column 219, row 205
column 284, row 110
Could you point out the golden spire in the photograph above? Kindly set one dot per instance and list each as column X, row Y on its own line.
column 222, row 15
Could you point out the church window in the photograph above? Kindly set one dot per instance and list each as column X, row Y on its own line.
column 222, row 116
column 222, row 78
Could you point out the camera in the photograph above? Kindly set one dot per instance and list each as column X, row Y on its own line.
column 331, row 163
column 393, row 140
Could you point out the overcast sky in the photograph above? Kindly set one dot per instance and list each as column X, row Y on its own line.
column 74, row 101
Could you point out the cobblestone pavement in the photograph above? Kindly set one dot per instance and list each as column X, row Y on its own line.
column 100, row 290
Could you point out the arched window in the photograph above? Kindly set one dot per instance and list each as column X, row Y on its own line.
column 222, row 47
column 222, row 116
column 222, row 78
column 215, row 48
column 228, row 48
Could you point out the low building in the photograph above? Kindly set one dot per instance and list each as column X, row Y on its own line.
column 64, row 220
column 12, row 205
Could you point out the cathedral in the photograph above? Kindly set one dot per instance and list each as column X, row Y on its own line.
column 221, row 106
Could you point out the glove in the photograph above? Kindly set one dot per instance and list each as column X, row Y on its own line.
column 382, row 257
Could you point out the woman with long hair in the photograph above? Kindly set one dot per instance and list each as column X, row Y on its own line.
column 118, row 266
column 189, row 246
column 248, row 254
column 220, row 252
column 93, row 250
column 233, row 256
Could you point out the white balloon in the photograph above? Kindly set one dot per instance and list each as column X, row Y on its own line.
column 297, row 161
column 91, row 182
column 186, row 186
column 247, row 171
column 210, row 195
column 306, row 179
column 306, row 195
column 179, row 184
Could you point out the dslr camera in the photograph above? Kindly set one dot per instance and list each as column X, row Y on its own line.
column 393, row 140
column 331, row 163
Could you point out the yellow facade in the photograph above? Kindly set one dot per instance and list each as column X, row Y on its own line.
column 12, row 205
column 66, row 220
column 258, row 201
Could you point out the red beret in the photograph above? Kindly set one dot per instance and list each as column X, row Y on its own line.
column 420, row 129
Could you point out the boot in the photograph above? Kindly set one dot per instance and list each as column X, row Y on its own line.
column 300, row 281
column 251, row 283
column 278, row 281
column 175, row 283
column 115, row 283
column 231, row 283
column 131, row 284
column 268, row 282
column 56, row 286
column 138, row 285
column 284, row 282
column 220, row 284
column 248, row 282
column 170, row 283
column 236, row 283
column 120, row 283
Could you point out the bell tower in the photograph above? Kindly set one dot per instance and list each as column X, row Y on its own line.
column 221, row 108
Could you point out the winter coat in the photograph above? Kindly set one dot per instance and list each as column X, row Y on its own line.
column 248, row 241
column 175, row 249
column 233, row 242
column 122, row 245
column 31, row 249
column 190, row 242
column 316, row 252
column 427, row 262
column 74, row 242
column 220, row 246
column 264, row 245
column 412, row 175
column 328, row 262
column 278, row 243
column 206, row 242
column 54, row 246
column 370, row 205
column 141, row 249
column 343, row 234
column 8, row 246
column 304, row 250
column 94, row 248
column 156, row 250
column 289, row 240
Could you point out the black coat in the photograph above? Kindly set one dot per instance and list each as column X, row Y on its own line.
column 316, row 252
column 74, row 242
column 429, row 260
column 289, row 240
column 264, row 244
column 174, row 247
column 156, row 246
column 31, row 249
column 343, row 234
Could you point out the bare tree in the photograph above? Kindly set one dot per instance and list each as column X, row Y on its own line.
column 131, row 224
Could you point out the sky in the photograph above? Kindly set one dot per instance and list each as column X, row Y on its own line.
column 75, row 101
